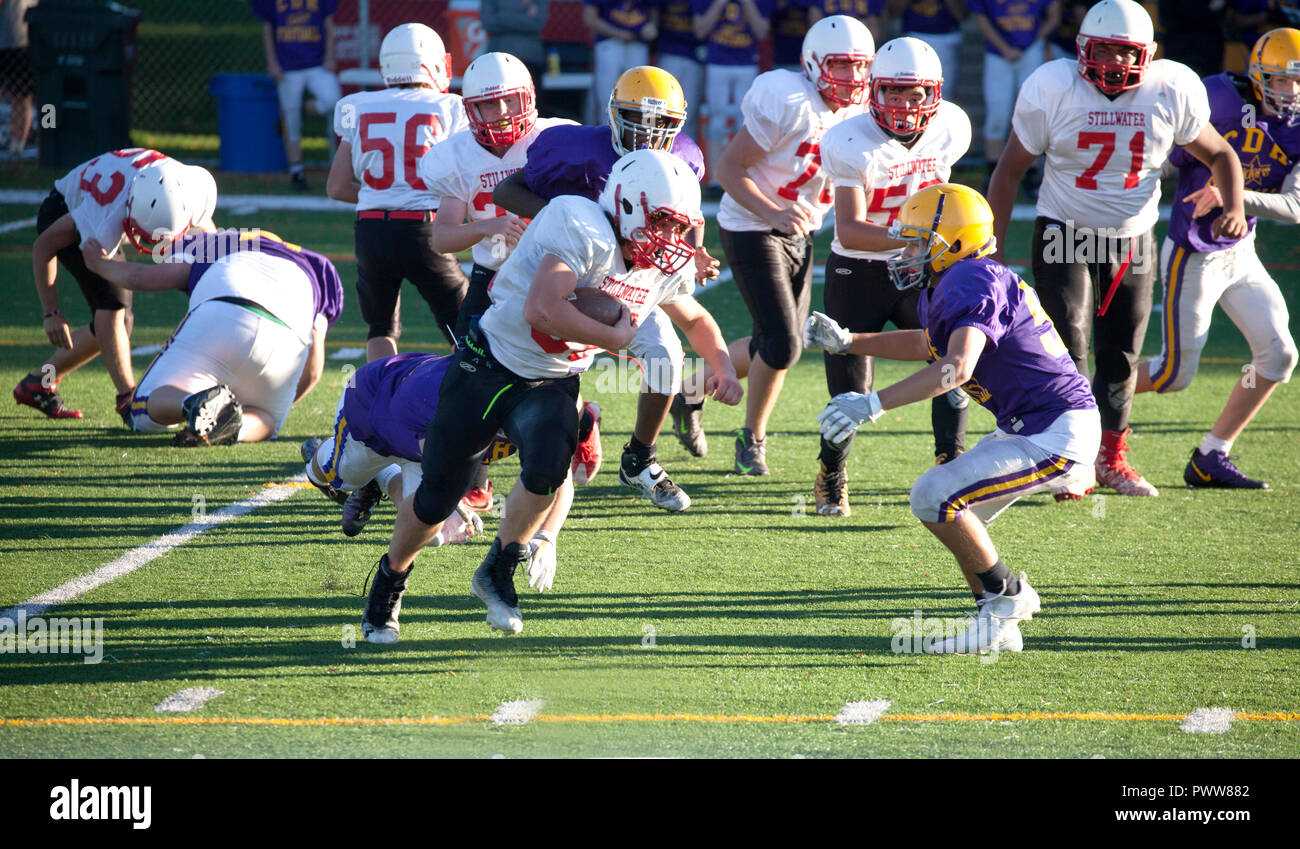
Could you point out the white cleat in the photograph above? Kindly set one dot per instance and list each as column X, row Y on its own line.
column 996, row 628
column 653, row 483
column 496, row 589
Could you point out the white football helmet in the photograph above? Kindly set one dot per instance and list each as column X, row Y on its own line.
column 493, row 77
column 1121, row 22
column 654, row 200
column 163, row 201
column 906, row 62
column 413, row 53
column 204, row 190
column 837, row 37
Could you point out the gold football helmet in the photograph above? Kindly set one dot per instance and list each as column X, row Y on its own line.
column 1277, row 54
column 947, row 222
column 646, row 109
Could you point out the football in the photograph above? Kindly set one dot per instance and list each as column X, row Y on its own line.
column 597, row 304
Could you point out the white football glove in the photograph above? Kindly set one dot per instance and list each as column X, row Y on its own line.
column 822, row 331
column 541, row 561
column 462, row 525
column 846, row 412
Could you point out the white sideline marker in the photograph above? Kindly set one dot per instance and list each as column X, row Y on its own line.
column 1208, row 721
column 862, row 713
column 150, row 551
column 517, row 712
column 21, row 224
column 185, row 701
column 347, row 354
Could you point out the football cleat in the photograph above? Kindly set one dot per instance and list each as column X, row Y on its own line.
column 213, row 417
column 479, row 498
column 1112, row 466
column 494, row 585
column 358, row 508
column 586, row 460
column 30, row 392
column 1216, row 470
column 309, row 448
column 379, row 623
column 985, row 634
column 942, row 457
column 687, row 427
column 1078, row 484
column 122, row 404
column 831, row 489
column 653, row 482
column 751, row 454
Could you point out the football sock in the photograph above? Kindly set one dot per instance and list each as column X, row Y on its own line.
column 397, row 576
column 636, row 456
column 585, row 424
column 386, row 475
column 833, row 455
column 999, row 580
column 1213, row 443
column 480, row 479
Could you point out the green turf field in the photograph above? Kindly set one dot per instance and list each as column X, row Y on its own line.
column 739, row 628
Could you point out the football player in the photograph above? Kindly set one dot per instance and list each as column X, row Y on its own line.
column 646, row 110
column 981, row 327
column 1202, row 268
column 1106, row 124
column 520, row 366
column 252, row 341
column 133, row 195
column 911, row 140
column 378, row 438
column 776, row 197
column 384, row 134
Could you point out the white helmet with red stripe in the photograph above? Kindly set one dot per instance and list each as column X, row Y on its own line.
column 163, row 202
column 653, row 198
column 840, row 39
column 1118, row 22
column 496, row 77
column 413, row 53
column 205, row 193
column 909, row 63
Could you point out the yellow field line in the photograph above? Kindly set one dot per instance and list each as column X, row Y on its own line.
column 779, row 719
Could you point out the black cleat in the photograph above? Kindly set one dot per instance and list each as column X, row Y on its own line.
column 358, row 507
column 379, row 623
column 213, row 417
column 751, row 454
column 494, row 585
column 687, row 426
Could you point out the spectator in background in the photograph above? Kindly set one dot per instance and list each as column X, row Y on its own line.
column 1015, row 35
column 867, row 11
column 1194, row 33
column 623, row 30
column 515, row 27
column 298, row 37
column 790, row 24
column 678, row 54
column 16, row 71
column 1063, row 44
column 731, row 31
column 938, row 24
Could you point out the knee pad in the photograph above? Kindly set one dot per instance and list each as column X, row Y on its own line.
column 432, row 504
column 543, row 471
column 928, row 495
column 780, row 351
column 1278, row 361
column 390, row 327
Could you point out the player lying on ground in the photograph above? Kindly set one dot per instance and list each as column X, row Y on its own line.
column 252, row 341
column 377, row 447
column 134, row 195
column 982, row 329
column 646, row 111
column 1202, row 268
column 520, row 368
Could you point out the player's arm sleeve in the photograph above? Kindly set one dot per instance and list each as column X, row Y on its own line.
column 441, row 177
column 685, row 147
column 977, row 306
column 567, row 234
column 547, row 169
column 842, row 160
column 1031, row 120
column 762, row 110
column 458, row 118
column 1195, row 111
column 345, row 119
column 1283, row 206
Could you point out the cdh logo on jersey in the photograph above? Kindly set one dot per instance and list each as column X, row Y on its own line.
column 1255, row 172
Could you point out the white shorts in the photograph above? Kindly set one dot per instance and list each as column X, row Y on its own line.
column 1235, row 279
column 349, row 464
column 219, row 342
column 1003, row 466
column 610, row 58
column 690, row 74
column 660, row 354
column 1002, row 82
column 324, row 86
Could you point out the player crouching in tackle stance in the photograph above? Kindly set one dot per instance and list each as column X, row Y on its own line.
column 520, row 365
column 251, row 344
column 983, row 329
column 1202, row 268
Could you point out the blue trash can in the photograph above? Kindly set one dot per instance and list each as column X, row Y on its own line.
column 248, row 119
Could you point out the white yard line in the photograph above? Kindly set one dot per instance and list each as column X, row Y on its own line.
column 185, row 701
column 10, row 226
column 518, row 712
column 862, row 713
column 150, row 551
column 1208, row 721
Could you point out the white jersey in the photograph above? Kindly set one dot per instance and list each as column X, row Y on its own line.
column 577, row 231
column 465, row 170
column 1104, row 155
column 277, row 285
column 390, row 131
column 96, row 193
column 787, row 117
column 861, row 154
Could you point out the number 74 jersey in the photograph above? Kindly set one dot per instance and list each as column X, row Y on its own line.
column 390, row 131
column 1104, row 155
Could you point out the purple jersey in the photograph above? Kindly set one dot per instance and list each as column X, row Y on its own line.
column 929, row 16
column 208, row 248
column 1024, row 376
column 789, row 26
column 1017, row 21
column 392, row 401
column 731, row 41
column 676, row 30
column 575, row 160
column 1267, row 151
column 626, row 15
column 298, row 28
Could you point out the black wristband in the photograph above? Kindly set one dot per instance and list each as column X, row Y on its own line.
column 52, row 313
